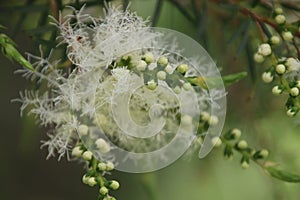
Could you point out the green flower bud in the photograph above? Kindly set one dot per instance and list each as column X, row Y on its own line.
column 163, row 61
column 109, row 166
column 103, row 190
column 287, row 36
column 77, row 151
column 161, row 75
column 102, row 166
column 141, row 65
column 280, row 19
column 148, row 57
column 83, row 130
column 102, row 145
column 182, row 68
column 87, row 155
column 294, row 91
column 92, row 181
column 152, row 85
column 216, row 141
column 267, row 77
column 114, row 185
column 280, row 69
column 258, row 58
column 242, row 144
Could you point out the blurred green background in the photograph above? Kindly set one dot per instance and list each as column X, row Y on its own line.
column 26, row 174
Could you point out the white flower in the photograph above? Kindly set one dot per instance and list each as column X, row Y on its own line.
column 245, row 165
column 267, row 77
column 264, row 153
column 292, row 64
column 103, row 190
column 280, row 69
column 102, row 166
column 182, row 68
column 187, row 120
column 264, row 49
column 109, row 166
column 287, row 36
column 280, row 19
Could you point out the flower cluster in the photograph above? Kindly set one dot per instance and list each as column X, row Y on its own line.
column 232, row 143
column 283, row 72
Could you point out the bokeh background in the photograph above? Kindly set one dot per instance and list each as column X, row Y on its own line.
column 26, row 174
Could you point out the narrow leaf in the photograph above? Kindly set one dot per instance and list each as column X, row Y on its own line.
column 283, row 175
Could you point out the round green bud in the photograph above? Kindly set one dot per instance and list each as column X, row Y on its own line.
column 77, row 151
column 102, row 145
column 182, row 68
column 267, row 77
column 264, row 153
column 114, row 185
column 187, row 86
column 109, row 166
column 186, row 120
column 287, row 36
column 242, row 144
column 83, row 130
column 92, row 181
column 205, row 116
column 290, row 113
column 102, row 166
column 214, row 120
column 275, row 40
column 280, row 19
column 141, row 65
column 236, row 133
column 276, row 90
column 163, row 61
column 177, row 90
column 148, row 57
column 294, row 91
column 216, row 141
column 152, row 85
column 258, row 58
column 278, row 11
column 280, row 69
column 87, row 155
column 103, row 190
column 264, row 49
column 85, row 179
column 169, row 69
column 245, row 165
column 161, row 75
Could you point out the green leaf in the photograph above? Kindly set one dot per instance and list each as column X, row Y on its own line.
column 283, row 175
column 233, row 78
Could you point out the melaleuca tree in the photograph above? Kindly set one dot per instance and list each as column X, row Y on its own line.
column 265, row 33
